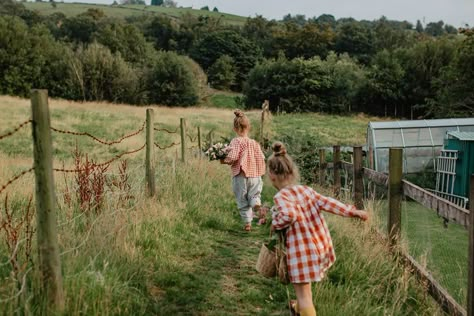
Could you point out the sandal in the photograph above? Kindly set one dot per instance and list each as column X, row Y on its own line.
column 248, row 227
column 292, row 305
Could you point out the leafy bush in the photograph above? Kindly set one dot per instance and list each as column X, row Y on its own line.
column 170, row 81
column 216, row 44
column 103, row 76
column 222, row 73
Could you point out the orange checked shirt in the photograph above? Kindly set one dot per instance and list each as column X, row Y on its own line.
column 245, row 155
column 309, row 246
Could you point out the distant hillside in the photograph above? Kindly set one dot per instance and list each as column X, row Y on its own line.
column 72, row 9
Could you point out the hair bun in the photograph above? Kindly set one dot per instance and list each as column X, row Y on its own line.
column 279, row 149
column 239, row 113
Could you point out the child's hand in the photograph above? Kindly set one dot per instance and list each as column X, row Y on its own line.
column 363, row 215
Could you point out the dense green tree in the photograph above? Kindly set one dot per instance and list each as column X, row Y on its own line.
column 260, row 31
column 123, row 38
column 455, row 87
column 170, row 81
column 384, row 88
column 435, row 28
column 156, row 2
column 419, row 27
column 290, row 85
column 103, row 76
column 244, row 52
column 222, row 73
column 423, row 64
column 357, row 40
column 390, row 36
column 298, row 19
column 326, row 19
column 163, row 31
column 348, row 78
column 307, row 41
column 205, row 8
column 79, row 29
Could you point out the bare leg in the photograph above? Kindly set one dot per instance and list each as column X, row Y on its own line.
column 305, row 298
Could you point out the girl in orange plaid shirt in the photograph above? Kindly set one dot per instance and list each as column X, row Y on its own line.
column 298, row 209
column 247, row 163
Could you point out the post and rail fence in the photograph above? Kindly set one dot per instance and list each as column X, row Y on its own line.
column 398, row 189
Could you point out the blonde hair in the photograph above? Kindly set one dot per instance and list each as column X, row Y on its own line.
column 241, row 121
column 281, row 165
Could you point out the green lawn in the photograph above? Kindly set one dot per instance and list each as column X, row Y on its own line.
column 442, row 250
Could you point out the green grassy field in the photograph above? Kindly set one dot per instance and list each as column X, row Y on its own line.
column 122, row 11
column 441, row 249
column 182, row 252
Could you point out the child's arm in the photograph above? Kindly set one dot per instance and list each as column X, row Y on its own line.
column 284, row 213
column 233, row 153
column 336, row 207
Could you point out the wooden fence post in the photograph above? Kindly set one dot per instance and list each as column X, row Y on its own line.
column 322, row 166
column 470, row 285
column 336, row 168
column 265, row 109
column 150, row 157
column 199, row 141
column 395, row 194
column 183, row 139
column 358, row 178
column 48, row 250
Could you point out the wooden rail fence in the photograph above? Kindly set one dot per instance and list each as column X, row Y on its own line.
column 397, row 188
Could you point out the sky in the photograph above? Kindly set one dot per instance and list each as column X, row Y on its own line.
column 455, row 12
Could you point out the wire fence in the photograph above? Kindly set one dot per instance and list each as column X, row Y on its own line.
column 93, row 180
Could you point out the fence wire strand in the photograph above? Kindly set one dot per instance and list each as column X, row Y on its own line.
column 18, row 176
column 108, row 162
column 99, row 140
column 16, row 129
column 191, row 138
column 166, row 130
column 169, row 146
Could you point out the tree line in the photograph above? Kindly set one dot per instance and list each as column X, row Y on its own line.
column 380, row 67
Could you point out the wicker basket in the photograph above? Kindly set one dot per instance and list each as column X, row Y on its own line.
column 266, row 262
column 282, row 267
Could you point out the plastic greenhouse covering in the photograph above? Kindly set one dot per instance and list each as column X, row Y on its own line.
column 421, row 141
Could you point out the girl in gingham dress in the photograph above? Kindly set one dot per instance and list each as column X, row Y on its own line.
column 308, row 243
column 247, row 165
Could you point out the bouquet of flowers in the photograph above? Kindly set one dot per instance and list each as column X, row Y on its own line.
column 217, row 151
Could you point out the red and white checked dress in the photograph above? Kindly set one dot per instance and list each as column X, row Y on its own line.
column 309, row 246
column 245, row 155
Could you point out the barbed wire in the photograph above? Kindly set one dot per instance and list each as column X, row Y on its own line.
column 191, row 138
column 103, row 163
column 166, row 147
column 18, row 176
column 166, row 130
column 16, row 129
column 99, row 140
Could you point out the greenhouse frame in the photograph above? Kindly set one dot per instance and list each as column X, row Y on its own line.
column 421, row 141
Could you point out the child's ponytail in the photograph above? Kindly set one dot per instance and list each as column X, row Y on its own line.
column 241, row 121
column 281, row 165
